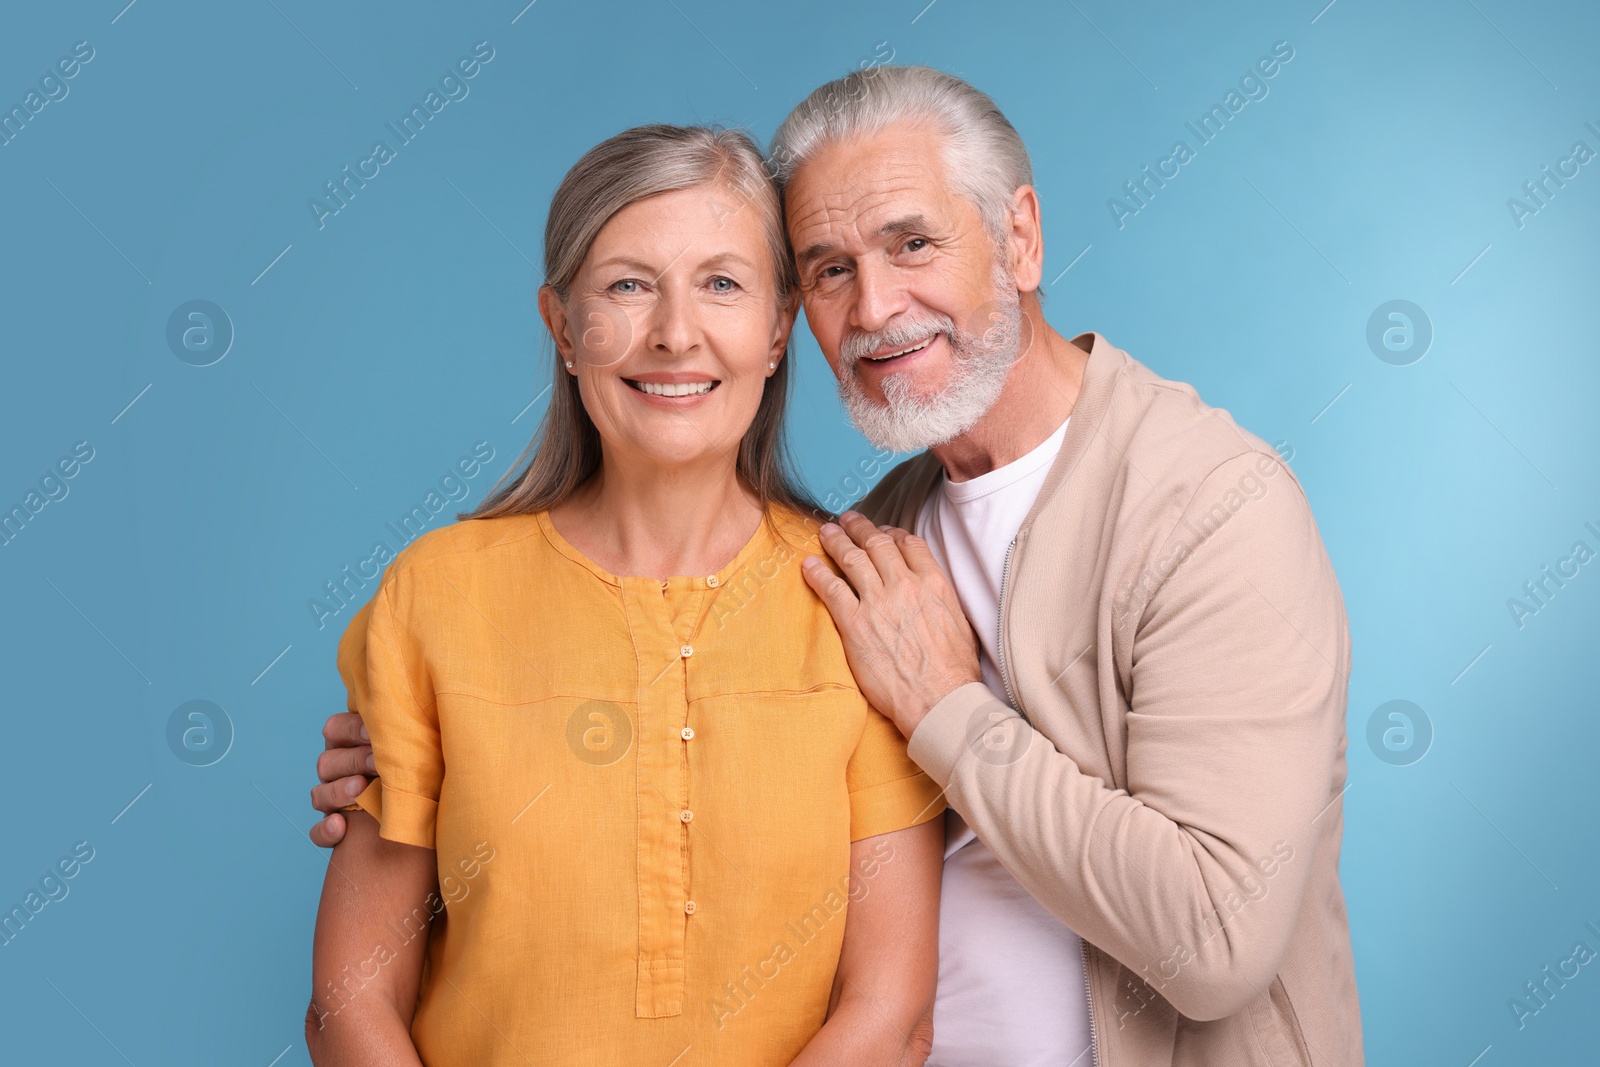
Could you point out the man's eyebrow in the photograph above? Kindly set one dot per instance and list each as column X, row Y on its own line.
column 813, row 252
column 913, row 223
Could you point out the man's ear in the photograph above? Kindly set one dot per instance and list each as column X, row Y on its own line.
column 784, row 326
column 1026, row 239
column 555, row 320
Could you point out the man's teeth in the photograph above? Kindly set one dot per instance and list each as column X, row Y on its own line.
column 918, row 347
column 674, row 388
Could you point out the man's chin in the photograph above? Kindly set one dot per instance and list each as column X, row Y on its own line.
column 896, row 430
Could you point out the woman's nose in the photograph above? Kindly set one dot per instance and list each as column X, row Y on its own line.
column 675, row 325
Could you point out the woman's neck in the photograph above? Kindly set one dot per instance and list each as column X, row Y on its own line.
column 646, row 521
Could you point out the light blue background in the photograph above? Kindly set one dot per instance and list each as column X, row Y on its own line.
column 378, row 349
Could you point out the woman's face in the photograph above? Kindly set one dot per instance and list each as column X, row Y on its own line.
column 672, row 325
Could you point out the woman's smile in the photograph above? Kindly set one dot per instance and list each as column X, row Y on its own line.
column 672, row 389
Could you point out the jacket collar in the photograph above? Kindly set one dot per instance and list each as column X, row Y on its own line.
column 1106, row 365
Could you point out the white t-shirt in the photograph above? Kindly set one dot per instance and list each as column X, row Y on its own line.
column 1011, row 982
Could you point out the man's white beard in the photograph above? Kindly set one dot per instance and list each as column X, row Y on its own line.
column 979, row 365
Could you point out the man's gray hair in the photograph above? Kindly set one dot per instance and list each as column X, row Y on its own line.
column 985, row 158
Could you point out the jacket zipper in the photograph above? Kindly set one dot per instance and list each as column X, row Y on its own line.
column 1000, row 629
column 1088, row 995
column 1011, row 698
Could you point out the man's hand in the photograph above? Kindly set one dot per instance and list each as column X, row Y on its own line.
column 908, row 643
column 343, row 768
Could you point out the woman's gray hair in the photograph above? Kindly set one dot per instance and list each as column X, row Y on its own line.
column 632, row 166
column 985, row 157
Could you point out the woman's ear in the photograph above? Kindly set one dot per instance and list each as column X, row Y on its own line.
column 555, row 320
column 783, row 327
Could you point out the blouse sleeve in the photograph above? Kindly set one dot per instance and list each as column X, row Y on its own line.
column 386, row 674
column 887, row 790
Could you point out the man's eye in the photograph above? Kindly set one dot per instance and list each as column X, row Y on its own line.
column 916, row 244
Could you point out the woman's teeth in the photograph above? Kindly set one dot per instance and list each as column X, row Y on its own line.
column 673, row 388
column 918, row 347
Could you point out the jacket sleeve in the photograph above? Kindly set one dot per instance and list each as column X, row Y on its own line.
column 1193, row 876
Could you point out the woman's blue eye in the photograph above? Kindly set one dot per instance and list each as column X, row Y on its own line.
column 621, row 286
column 722, row 285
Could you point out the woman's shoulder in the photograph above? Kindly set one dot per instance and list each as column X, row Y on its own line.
column 470, row 542
column 795, row 528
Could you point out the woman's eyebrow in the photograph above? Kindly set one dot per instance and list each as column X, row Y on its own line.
column 727, row 257
column 624, row 261
column 650, row 269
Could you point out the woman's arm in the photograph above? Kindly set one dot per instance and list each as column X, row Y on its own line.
column 378, row 901
column 881, row 1010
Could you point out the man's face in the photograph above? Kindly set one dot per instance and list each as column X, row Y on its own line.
column 903, row 285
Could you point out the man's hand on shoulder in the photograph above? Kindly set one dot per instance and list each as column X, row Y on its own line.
column 908, row 643
column 344, row 767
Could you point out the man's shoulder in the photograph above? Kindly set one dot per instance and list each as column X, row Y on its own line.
column 1165, row 433
column 900, row 492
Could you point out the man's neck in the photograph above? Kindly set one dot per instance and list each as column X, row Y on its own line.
column 1039, row 394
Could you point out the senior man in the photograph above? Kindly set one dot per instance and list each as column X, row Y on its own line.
column 1140, row 730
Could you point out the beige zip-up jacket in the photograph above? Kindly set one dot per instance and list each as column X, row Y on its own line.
column 1165, row 770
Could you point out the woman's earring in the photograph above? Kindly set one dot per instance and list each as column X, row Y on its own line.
column 569, row 364
column 772, row 366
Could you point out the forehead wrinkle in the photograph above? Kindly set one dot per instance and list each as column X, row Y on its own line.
column 849, row 215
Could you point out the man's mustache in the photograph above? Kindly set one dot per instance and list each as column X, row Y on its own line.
column 859, row 345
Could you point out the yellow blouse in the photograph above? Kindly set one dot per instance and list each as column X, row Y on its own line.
column 642, row 794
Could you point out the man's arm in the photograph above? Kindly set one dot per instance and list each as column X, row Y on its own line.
column 345, row 767
column 346, row 764
column 1194, row 875
column 881, row 1008
column 364, row 978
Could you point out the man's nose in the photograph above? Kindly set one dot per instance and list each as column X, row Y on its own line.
column 880, row 296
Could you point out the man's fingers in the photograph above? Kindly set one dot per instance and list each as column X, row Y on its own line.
column 331, row 796
column 852, row 559
column 915, row 551
column 336, row 763
column 878, row 545
column 344, row 729
column 328, row 832
column 836, row 594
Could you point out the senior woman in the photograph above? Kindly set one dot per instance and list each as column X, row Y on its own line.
column 631, row 807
